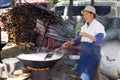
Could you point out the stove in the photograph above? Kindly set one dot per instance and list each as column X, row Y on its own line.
column 40, row 73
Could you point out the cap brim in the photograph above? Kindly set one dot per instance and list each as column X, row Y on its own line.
column 88, row 11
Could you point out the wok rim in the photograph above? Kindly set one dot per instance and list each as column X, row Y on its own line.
column 44, row 60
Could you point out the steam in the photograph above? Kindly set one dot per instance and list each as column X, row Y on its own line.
column 112, row 34
column 112, row 27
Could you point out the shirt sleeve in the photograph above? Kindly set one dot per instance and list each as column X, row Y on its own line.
column 77, row 41
column 101, row 29
column 99, row 39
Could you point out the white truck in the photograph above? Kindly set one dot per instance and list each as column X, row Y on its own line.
column 109, row 8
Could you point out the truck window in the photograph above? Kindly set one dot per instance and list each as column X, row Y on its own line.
column 60, row 9
column 103, row 10
column 77, row 10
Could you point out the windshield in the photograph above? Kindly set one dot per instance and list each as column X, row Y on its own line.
column 101, row 10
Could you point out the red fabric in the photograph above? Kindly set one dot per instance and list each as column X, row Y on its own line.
column 50, row 42
column 33, row 1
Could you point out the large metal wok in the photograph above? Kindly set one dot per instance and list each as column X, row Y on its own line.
column 40, row 60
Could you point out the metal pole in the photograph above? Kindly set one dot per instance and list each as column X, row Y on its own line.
column 0, row 43
column 46, row 29
column 0, row 39
column 92, row 2
column 13, row 3
column 0, row 35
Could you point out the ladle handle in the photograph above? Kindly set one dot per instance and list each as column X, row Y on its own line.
column 57, row 49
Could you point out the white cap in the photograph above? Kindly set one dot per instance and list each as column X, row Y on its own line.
column 90, row 9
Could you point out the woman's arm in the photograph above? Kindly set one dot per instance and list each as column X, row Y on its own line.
column 98, row 39
column 84, row 34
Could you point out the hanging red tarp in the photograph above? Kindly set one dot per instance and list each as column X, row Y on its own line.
column 32, row 1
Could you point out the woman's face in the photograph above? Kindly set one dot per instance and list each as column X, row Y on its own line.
column 88, row 16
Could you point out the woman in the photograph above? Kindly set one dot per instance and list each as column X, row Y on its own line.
column 91, row 37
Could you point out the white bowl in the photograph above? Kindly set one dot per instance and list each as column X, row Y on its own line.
column 74, row 57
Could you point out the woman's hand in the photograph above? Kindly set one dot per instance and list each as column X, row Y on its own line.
column 65, row 45
column 84, row 34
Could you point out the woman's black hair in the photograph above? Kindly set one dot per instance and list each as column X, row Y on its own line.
column 94, row 14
